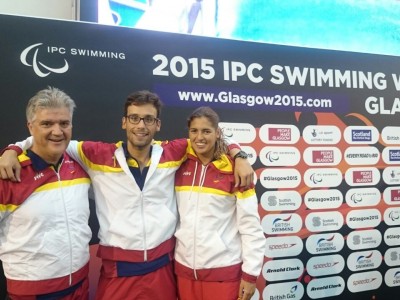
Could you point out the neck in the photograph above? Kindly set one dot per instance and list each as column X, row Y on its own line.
column 141, row 154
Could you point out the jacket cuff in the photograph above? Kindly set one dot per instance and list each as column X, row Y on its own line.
column 249, row 278
column 12, row 147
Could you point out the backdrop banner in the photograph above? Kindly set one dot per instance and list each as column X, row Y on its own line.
column 321, row 129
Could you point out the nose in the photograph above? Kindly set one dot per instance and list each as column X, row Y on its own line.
column 57, row 130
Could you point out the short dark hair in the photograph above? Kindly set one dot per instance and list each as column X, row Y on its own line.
column 143, row 97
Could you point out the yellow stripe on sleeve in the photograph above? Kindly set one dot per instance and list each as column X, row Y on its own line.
column 58, row 184
column 8, row 207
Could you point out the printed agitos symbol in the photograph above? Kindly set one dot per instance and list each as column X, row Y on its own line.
column 315, row 178
column 397, row 274
column 279, row 219
column 272, row 156
column 394, row 215
column 35, row 63
column 356, row 198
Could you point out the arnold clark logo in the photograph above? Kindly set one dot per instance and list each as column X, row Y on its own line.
column 364, row 260
column 322, row 177
column 391, row 175
column 362, row 155
column 392, row 236
column 292, row 290
column 392, row 257
column 46, row 59
column 282, row 269
column 391, row 135
column 281, row 223
column 362, row 176
column 364, row 239
column 323, row 199
column 324, row 243
column 279, row 156
column 364, row 281
column 280, row 200
column 391, row 155
column 325, row 287
column 321, row 135
column 361, row 135
column 358, row 197
column 363, row 218
column 323, row 265
column 240, row 132
column 392, row 216
column 324, row 221
column 280, row 178
column 283, row 246
column 279, row 134
column 391, row 195
column 392, row 277
column 322, row 156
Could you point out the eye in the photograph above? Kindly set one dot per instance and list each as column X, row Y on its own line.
column 46, row 124
column 149, row 119
column 65, row 124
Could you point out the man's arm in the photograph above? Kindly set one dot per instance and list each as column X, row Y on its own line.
column 10, row 167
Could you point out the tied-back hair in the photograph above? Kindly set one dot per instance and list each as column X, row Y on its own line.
column 50, row 97
column 221, row 147
column 141, row 98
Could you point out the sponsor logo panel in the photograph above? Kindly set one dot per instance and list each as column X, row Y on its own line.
column 391, row 175
column 364, row 281
column 279, row 156
column 280, row 200
column 391, row 195
column 392, row 257
column 282, row 269
column 362, row 176
column 391, row 155
column 323, row 199
column 279, row 134
column 391, row 135
column 280, row 178
column 240, row 132
column 322, row 177
column 322, row 156
column 324, row 221
column 322, row 135
column 364, row 239
column 361, row 135
column 358, row 197
column 391, row 216
column 281, row 223
column 392, row 236
column 286, row 290
column 325, row 287
column 362, row 155
column 323, row 265
column 363, row 218
column 364, row 260
column 324, row 243
column 392, row 277
column 283, row 246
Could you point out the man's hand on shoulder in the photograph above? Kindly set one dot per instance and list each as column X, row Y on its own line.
column 10, row 168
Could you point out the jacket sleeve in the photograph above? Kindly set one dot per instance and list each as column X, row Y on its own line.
column 252, row 235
